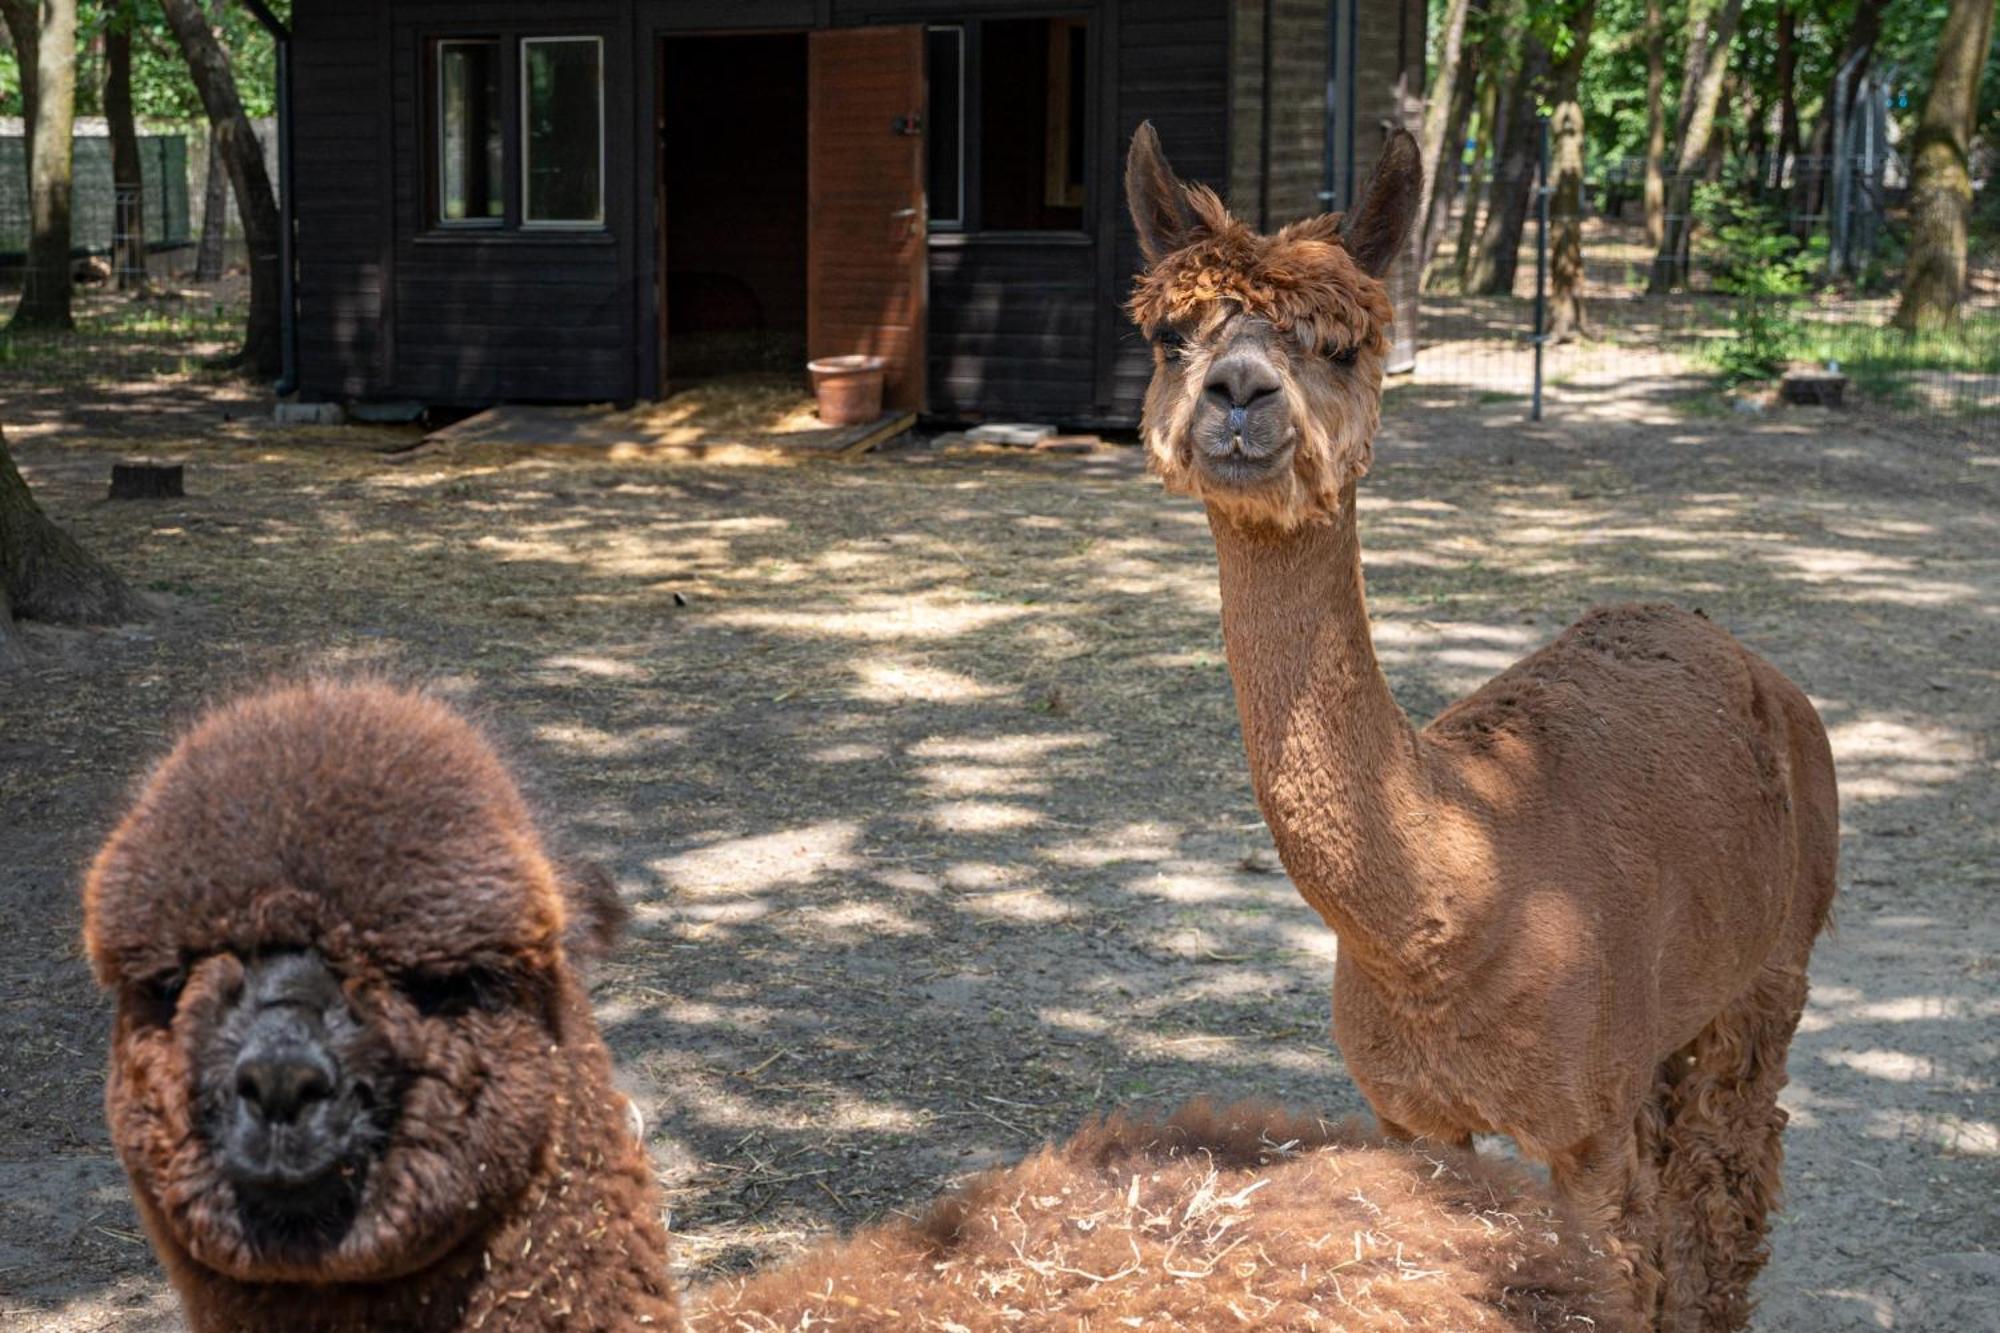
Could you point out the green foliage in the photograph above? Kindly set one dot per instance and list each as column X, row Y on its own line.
column 1768, row 272
column 161, row 87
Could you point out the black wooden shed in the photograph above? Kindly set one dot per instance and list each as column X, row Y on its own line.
column 601, row 200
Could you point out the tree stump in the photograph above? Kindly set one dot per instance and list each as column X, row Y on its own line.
column 146, row 481
column 1814, row 388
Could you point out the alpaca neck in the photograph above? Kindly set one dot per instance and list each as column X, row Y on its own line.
column 1338, row 771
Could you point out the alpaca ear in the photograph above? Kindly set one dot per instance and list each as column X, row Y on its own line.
column 1156, row 197
column 1377, row 228
column 597, row 916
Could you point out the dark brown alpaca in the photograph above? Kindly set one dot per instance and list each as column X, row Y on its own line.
column 357, row 1086
column 354, row 1079
column 1577, row 907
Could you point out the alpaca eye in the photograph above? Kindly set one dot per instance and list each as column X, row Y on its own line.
column 452, row 994
column 1173, row 341
column 1345, row 356
column 160, row 995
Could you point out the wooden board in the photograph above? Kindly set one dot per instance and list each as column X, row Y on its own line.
column 865, row 262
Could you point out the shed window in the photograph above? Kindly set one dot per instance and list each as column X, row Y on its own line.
column 470, row 188
column 562, row 131
column 944, row 124
column 1007, row 124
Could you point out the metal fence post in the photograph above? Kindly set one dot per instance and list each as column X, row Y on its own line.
column 1541, row 261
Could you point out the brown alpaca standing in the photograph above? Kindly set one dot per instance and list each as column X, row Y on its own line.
column 357, row 1086
column 1577, row 907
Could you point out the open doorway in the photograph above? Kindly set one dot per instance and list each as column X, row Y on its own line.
column 733, row 162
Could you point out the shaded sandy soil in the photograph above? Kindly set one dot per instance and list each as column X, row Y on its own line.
column 932, row 806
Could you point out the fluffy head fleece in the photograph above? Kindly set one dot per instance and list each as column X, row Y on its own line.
column 1245, row 1217
column 354, row 1078
column 1268, row 350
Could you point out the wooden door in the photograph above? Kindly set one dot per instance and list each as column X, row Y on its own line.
column 865, row 255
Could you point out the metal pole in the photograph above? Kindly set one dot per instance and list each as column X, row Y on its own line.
column 1541, row 261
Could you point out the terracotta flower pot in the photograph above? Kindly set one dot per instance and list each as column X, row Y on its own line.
column 849, row 388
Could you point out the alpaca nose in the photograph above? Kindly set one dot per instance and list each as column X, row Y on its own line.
column 1239, row 380
column 280, row 1081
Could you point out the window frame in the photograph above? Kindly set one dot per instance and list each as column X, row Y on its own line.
column 522, row 166
column 971, row 227
column 435, row 218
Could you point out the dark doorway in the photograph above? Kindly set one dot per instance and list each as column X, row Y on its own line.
column 733, row 144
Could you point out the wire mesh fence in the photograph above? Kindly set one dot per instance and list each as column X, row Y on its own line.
column 94, row 198
column 1723, row 280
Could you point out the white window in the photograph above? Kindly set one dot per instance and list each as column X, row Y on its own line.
column 562, row 132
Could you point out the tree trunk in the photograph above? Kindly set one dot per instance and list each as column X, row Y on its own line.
column 1788, row 96
column 45, row 279
column 1701, row 89
column 1566, row 317
column 1656, row 124
column 128, row 181
column 11, row 656
column 1809, row 187
column 1450, row 158
column 44, row 573
column 244, row 158
column 22, row 26
column 214, row 216
column 1440, row 100
column 1476, row 189
column 1940, row 179
column 1498, row 252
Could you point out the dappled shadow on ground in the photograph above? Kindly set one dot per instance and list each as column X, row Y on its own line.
column 923, row 777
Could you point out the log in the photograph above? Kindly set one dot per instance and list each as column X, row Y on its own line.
column 146, row 481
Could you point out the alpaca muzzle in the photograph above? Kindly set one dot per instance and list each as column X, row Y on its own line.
column 289, row 1117
column 1241, row 427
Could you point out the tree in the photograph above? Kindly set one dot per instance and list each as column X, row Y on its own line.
column 1566, row 318
column 44, row 573
column 46, row 40
column 1864, row 30
column 128, row 182
column 1446, row 105
column 1701, row 90
column 1656, row 124
column 1497, row 253
column 1477, row 184
column 1940, row 177
column 22, row 22
column 214, row 215
column 244, row 159
column 1788, row 93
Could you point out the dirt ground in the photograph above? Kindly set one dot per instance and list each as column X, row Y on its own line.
column 923, row 776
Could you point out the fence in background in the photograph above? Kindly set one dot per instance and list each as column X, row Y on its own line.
column 163, row 161
column 1671, row 328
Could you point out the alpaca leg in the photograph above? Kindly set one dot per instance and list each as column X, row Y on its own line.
column 1611, row 1180
column 1721, row 1154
